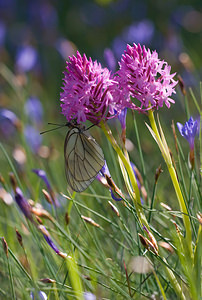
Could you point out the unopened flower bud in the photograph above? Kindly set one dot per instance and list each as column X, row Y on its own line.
column 13, row 181
column 47, row 196
column 47, row 280
column 114, row 208
column 181, row 85
column 67, row 218
column 90, row 221
column 19, row 238
column 5, row 246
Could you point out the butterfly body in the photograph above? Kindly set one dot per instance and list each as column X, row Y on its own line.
column 83, row 158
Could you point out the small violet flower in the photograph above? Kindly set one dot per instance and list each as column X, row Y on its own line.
column 50, row 241
column 41, row 295
column 139, row 32
column 89, row 296
column 23, row 204
column 144, row 77
column 87, row 91
column 33, row 138
column 26, row 58
column 8, row 122
column 43, row 176
column 122, row 119
column 34, row 109
column 110, row 59
column 189, row 131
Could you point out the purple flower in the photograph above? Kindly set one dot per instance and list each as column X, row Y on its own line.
column 122, row 118
column 105, row 170
column 23, row 204
column 144, row 77
column 110, row 59
column 26, row 58
column 33, row 138
column 41, row 295
column 118, row 46
column 2, row 33
column 140, row 32
column 89, row 296
column 43, row 176
column 87, row 91
column 50, row 241
column 8, row 122
column 34, row 109
column 189, row 131
column 114, row 197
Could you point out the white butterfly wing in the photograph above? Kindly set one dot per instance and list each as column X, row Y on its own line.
column 83, row 159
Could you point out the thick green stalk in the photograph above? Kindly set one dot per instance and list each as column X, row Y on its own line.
column 127, row 165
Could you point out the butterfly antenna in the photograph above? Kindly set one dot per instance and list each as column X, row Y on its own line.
column 58, row 126
column 90, row 126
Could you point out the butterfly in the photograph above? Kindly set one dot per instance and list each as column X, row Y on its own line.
column 83, row 156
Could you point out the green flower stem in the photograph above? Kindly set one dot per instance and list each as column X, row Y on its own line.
column 166, row 156
column 160, row 286
column 127, row 165
column 74, row 275
column 174, row 282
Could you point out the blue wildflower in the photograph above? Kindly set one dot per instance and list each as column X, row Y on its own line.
column 43, row 176
column 8, row 122
column 34, row 109
column 26, row 58
column 189, row 131
column 2, row 33
column 50, row 241
column 41, row 295
column 33, row 138
column 122, row 119
column 110, row 59
column 89, row 296
column 139, row 32
column 23, row 204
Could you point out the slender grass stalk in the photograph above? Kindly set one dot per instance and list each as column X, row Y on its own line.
column 198, row 260
column 160, row 286
column 152, row 201
column 20, row 266
column 166, row 155
column 11, row 165
column 11, row 280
